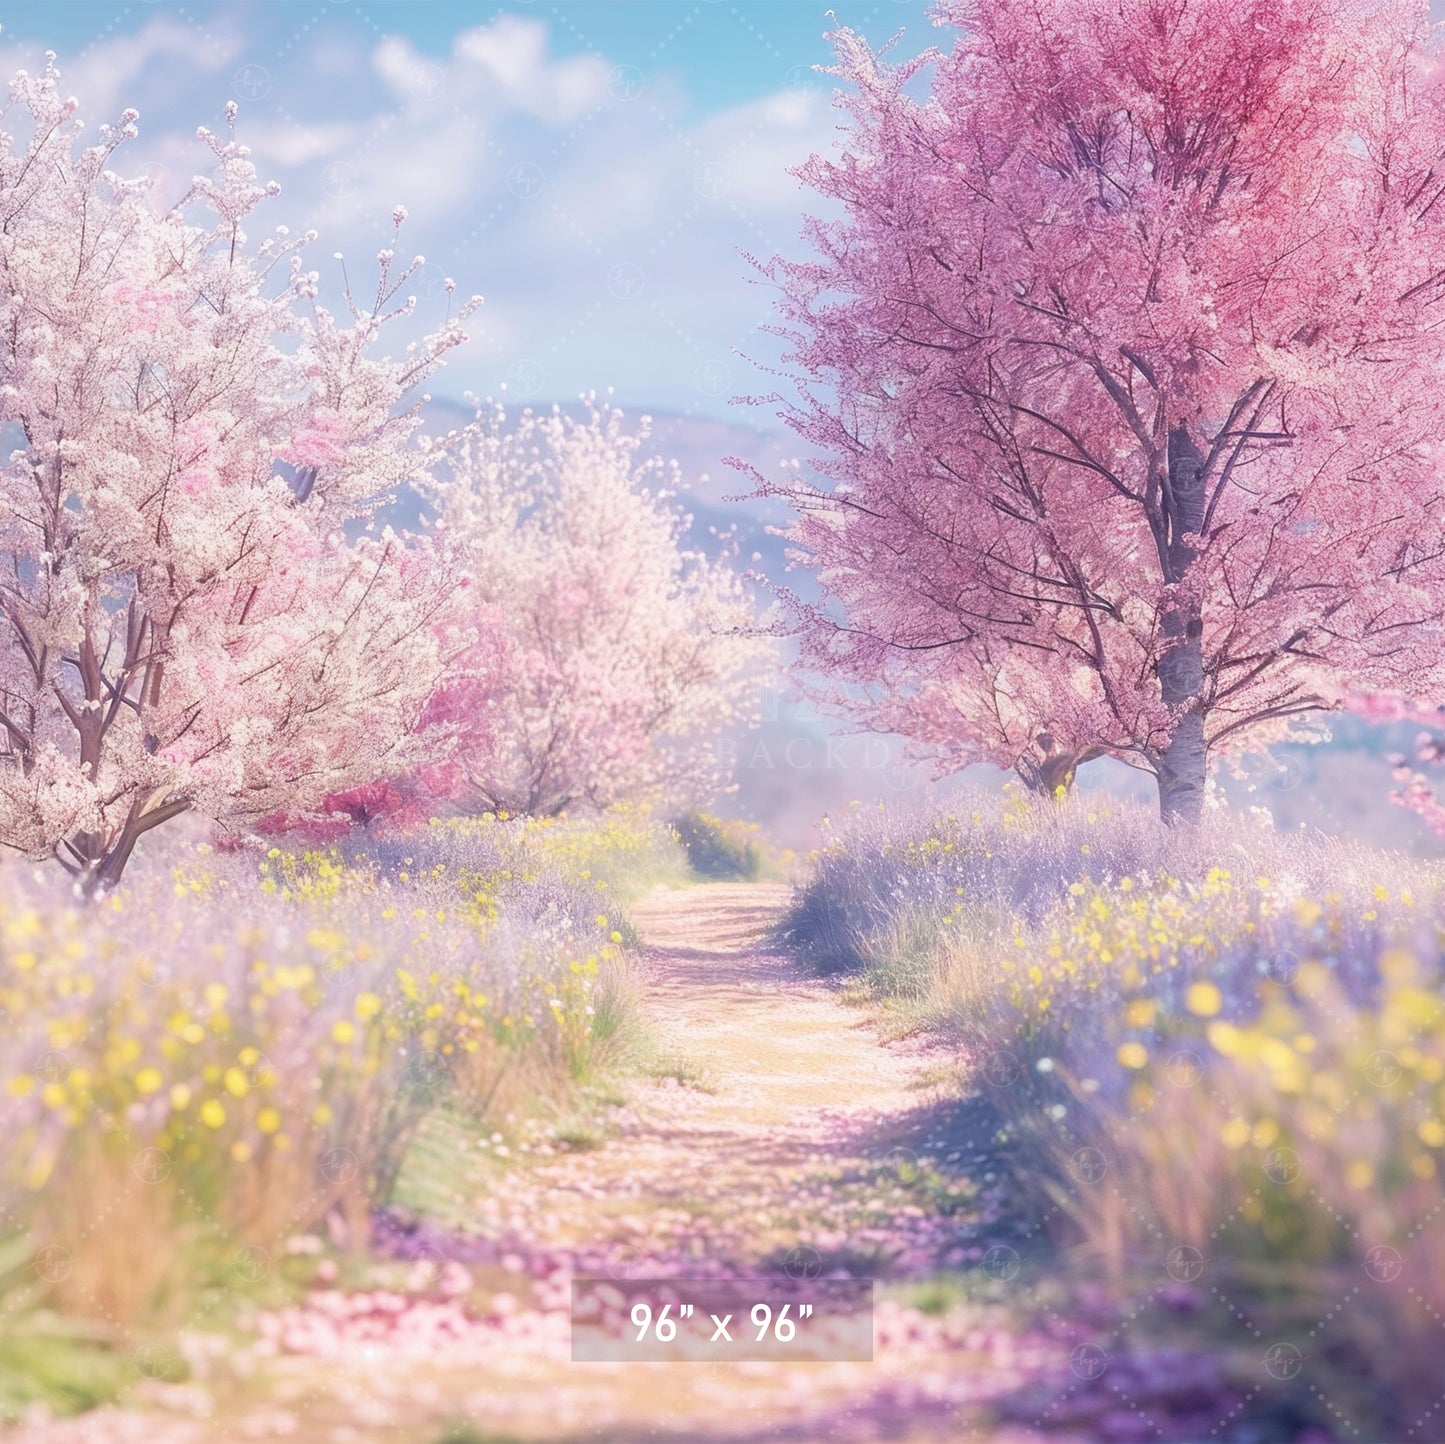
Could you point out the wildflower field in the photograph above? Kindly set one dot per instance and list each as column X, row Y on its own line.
column 1216, row 1062
column 1144, row 1140
column 241, row 1047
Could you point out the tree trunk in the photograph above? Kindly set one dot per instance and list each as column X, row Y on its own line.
column 1181, row 766
column 102, row 866
column 1052, row 775
column 104, row 873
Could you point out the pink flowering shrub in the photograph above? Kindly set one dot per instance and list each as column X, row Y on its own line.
column 611, row 652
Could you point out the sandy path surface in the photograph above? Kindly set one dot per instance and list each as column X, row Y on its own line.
column 792, row 1131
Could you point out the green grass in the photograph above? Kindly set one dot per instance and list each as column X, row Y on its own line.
column 685, row 1069
column 60, row 1363
column 721, row 851
column 444, row 1170
column 578, row 1137
column 469, row 1434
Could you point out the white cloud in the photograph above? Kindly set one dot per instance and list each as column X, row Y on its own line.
column 753, row 146
column 290, row 145
column 406, row 74
column 528, row 176
column 512, row 47
column 498, row 67
column 511, row 53
column 108, row 76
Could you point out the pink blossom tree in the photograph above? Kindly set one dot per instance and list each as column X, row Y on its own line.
column 1414, row 790
column 184, row 624
column 612, row 653
column 1123, row 363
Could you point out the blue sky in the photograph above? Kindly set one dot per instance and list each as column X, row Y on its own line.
column 593, row 168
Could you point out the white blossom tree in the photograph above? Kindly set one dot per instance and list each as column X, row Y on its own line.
column 612, row 654
column 183, row 621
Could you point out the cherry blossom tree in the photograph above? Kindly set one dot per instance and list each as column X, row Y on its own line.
column 1413, row 790
column 612, row 653
column 184, row 623
column 1123, row 364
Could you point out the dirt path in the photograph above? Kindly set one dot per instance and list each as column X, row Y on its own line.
column 788, row 1128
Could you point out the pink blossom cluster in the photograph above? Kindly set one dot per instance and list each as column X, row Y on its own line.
column 435, row 1325
column 610, row 653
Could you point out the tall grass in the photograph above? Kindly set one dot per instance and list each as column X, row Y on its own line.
column 720, row 849
column 236, row 1047
column 1227, row 1041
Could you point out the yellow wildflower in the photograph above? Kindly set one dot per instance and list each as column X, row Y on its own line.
column 1203, row 999
column 1235, row 1133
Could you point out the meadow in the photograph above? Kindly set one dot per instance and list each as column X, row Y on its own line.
column 373, row 966
column 258, row 1099
column 1215, row 1058
column 240, row 1049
